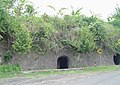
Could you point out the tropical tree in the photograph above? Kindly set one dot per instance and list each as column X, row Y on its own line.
column 11, row 30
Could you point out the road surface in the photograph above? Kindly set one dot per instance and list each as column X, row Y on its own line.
column 110, row 78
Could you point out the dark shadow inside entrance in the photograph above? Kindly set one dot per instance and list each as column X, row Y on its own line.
column 116, row 59
column 62, row 62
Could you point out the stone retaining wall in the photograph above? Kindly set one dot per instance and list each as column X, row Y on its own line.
column 34, row 61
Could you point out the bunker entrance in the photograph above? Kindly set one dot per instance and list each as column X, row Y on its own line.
column 62, row 62
column 116, row 59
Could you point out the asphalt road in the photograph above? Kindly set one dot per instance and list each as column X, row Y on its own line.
column 110, row 78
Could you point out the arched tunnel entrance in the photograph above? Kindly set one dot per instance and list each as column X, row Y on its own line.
column 62, row 62
column 116, row 59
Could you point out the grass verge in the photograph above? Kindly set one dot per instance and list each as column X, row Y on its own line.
column 46, row 73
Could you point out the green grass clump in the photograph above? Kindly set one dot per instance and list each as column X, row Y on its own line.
column 103, row 68
column 9, row 70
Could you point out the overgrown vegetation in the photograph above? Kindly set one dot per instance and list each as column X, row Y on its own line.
column 7, row 57
column 9, row 68
column 22, row 31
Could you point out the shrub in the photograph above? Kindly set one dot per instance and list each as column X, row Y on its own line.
column 10, row 68
column 7, row 56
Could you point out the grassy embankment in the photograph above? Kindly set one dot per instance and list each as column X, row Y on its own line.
column 45, row 73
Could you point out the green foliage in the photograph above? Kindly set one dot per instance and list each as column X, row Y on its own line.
column 115, row 18
column 5, row 21
column 7, row 27
column 97, row 28
column 7, row 56
column 86, row 42
column 7, row 4
column 23, row 31
column 23, row 41
column 29, row 10
column 117, row 45
column 9, row 68
column 12, row 31
column 82, row 41
column 117, row 12
column 42, row 35
column 111, row 37
column 115, row 23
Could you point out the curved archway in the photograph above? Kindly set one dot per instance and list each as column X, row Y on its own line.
column 116, row 59
column 62, row 62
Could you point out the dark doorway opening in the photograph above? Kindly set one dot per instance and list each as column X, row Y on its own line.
column 62, row 62
column 116, row 59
